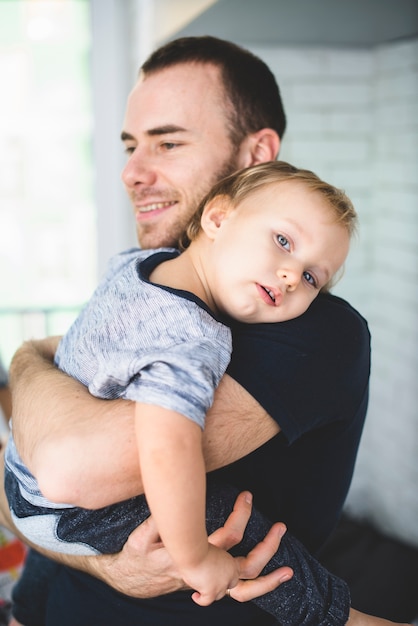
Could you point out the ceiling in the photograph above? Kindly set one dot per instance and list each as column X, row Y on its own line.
column 307, row 22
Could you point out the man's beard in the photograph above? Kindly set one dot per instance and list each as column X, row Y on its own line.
column 227, row 168
column 149, row 237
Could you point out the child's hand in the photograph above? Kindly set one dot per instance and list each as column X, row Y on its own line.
column 212, row 577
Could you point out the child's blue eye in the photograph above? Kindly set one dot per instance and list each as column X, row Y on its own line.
column 309, row 278
column 283, row 241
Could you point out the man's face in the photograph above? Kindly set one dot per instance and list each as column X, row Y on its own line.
column 176, row 137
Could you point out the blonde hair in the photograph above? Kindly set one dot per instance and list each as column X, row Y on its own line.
column 240, row 185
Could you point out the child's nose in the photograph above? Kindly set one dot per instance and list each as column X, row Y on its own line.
column 290, row 277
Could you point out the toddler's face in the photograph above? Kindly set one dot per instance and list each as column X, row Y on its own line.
column 274, row 252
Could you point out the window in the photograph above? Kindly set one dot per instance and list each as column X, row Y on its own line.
column 47, row 214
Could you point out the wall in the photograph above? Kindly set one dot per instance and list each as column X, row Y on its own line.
column 352, row 118
column 386, row 481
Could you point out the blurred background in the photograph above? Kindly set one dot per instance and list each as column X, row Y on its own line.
column 348, row 74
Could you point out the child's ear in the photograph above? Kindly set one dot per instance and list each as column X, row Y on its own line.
column 214, row 214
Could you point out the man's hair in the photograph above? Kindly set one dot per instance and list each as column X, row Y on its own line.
column 252, row 94
column 240, row 185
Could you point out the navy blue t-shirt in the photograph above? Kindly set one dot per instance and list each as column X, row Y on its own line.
column 311, row 375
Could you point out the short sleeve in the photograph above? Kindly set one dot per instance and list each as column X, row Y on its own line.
column 183, row 377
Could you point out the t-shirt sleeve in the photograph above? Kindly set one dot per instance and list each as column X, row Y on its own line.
column 306, row 372
column 183, row 378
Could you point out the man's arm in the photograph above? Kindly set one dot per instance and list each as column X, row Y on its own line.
column 144, row 569
column 58, row 423
column 144, row 546
column 361, row 619
column 91, row 442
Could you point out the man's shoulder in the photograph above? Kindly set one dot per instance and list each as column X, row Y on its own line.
column 332, row 328
column 308, row 371
column 334, row 313
column 331, row 302
column 330, row 323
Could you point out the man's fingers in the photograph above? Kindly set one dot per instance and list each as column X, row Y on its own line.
column 251, row 565
column 247, row 590
column 232, row 532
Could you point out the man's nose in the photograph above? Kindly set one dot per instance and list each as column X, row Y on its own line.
column 139, row 170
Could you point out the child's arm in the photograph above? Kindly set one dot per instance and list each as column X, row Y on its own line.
column 173, row 473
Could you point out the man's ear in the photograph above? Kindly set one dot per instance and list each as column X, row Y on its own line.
column 259, row 147
column 214, row 214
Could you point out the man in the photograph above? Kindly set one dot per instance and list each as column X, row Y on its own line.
column 293, row 406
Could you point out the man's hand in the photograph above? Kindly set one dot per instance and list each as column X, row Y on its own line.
column 144, row 569
column 32, row 352
column 23, row 371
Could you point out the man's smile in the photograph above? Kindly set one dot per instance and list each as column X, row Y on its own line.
column 154, row 206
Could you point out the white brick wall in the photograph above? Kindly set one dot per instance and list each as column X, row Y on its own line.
column 353, row 118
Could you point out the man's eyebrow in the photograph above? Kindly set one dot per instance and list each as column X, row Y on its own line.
column 126, row 136
column 167, row 129
column 158, row 130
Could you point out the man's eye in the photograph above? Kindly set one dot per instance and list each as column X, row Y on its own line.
column 310, row 279
column 168, row 145
column 129, row 150
column 283, row 241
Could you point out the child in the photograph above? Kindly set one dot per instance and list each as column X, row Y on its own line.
column 155, row 332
